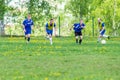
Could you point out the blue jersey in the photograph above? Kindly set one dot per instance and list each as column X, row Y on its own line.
column 101, row 25
column 78, row 27
column 102, row 31
column 27, row 24
column 50, row 26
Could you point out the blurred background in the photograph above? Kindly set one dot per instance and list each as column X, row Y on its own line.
column 64, row 12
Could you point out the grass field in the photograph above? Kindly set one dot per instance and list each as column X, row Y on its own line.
column 64, row 60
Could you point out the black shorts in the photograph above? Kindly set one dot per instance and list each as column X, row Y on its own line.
column 78, row 33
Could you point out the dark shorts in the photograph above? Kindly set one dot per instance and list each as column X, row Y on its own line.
column 102, row 33
column 78, row 33
column 28, row 32
column 50, row 32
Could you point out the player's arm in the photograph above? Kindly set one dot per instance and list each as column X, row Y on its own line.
column 99, row 23
column 71, row 28
column 55, row 29
column 24, row 26
column 98, row 26
column 103, row 27
column 32, row 25
column 46, row 28
column 83, row 26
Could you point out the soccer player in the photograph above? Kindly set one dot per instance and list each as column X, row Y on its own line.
column 27, row 27
column 49, row 29
column 101, row 26
column 78, row 27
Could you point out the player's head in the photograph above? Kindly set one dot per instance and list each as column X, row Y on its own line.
column 81, row 21
column 29, row 16
column 51, row 21
column 99, row 19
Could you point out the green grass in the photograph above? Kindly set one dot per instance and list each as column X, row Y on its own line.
column 64, row 60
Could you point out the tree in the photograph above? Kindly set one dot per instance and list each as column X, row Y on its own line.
column 107, row 10
column 39, row 8
column 2, row 11
column 78, row 8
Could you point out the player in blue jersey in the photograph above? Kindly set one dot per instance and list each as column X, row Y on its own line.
column 78, row 27
column 101, row 26
column 49, row 29
column 27, row 27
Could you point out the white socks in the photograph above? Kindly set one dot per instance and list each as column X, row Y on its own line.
column 99, row 39
column 105, row 36
column 51, row 41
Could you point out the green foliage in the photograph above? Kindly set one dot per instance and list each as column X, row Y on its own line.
column 78, row 8
column 40, row 12
column 107, row 10
column 43, row 10
column 39, row 9
column 2, row 9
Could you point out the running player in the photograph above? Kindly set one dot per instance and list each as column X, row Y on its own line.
column 49, row 30
column 27, row 27
column 78, row 27
column 101, row 26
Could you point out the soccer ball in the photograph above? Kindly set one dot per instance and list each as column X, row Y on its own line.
column 103, row 41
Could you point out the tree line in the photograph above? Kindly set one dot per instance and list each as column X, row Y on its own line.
column 43, row 10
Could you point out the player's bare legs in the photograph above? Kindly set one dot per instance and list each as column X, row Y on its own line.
column 80, row 41
column 99, row 38
column 27, row 37
column 50, row 38
column 105, row 36
column 76, row 39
